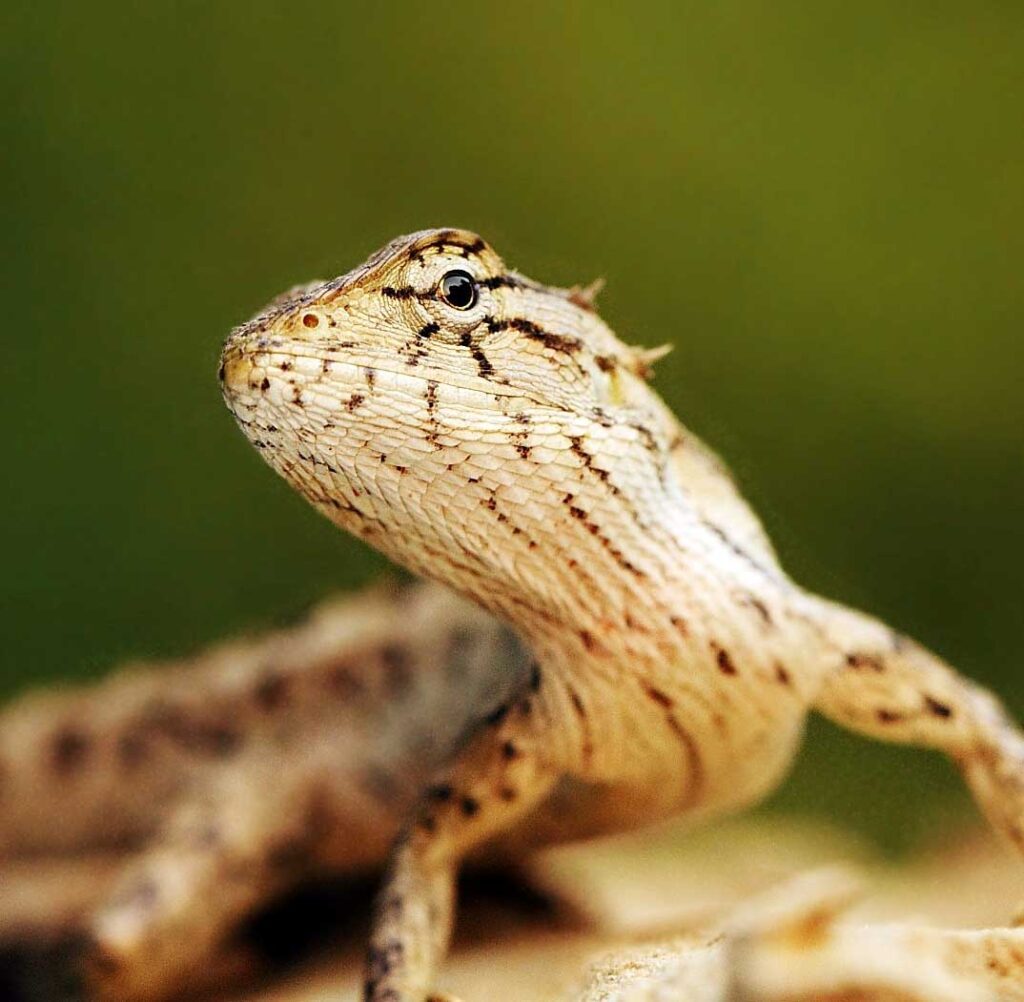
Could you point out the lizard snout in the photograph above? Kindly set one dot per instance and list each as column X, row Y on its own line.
column 236, row 368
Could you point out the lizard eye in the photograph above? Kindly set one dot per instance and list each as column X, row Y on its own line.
column 458, row 290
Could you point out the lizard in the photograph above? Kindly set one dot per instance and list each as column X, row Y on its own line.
column 648, row 656
column 492, row 433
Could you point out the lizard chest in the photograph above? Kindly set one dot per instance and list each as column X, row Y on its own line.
column 699, row 724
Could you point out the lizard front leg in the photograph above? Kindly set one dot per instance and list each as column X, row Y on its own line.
column 500, row 774
column 891, row 688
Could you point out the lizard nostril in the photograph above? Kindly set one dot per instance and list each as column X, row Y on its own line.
column 310, row 320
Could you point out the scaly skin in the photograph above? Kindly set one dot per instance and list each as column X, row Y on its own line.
column 507, row 444
column 227, row 778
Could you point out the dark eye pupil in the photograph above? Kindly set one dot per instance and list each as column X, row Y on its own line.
column 458, row 289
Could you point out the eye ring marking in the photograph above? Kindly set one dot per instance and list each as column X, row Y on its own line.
column 458, row 289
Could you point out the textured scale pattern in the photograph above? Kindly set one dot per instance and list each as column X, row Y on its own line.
column 630, row 650
column 510, row 446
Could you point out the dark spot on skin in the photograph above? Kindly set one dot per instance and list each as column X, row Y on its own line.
column 662, row 699
column 428, row 330
column 497, row 715
column 535, row 677
column 265, row 385
column 509, row 751
column 382, row 960
column 758, row 606
column 577, row 703
column 371, row 376
column 428, row 823
column 389, row 292
column 507, row 794
column 398, row 665
column 938, row 709
column 310, row 320
column 69, row 749
column 440, row 793
column 131, row 749
column 888, row 716
column 446, row 241
column 723, row 660
column 782, row 675
column 392, row 906
column 587, row 638
column 193, row 734
column 865, row 661
column 271, row 691
column 217, row 739
column 286, row 366
column 354, row 401
column 501, row 281
column 736, row 548
column 469, row 806
column 483, row 363
column 341, row 679
column 647, row 436
column 605, row 363
column 680, row 624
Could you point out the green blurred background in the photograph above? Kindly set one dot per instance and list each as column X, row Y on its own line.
column 822, row 205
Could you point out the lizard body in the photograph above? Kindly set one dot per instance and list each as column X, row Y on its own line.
column 492, row 433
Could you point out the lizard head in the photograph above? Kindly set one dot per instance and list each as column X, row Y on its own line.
column 455, row 414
